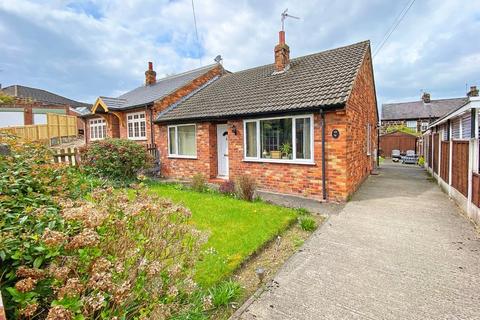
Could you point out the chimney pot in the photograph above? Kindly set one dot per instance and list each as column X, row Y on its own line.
column 282, row 54
column 473, row 92
column 426, row 97
column 150, row 75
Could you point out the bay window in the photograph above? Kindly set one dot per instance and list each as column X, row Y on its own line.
column 136, row 126
column 98, row 129
column 182, row 141
column 281, row 139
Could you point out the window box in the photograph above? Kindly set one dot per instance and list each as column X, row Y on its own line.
column 279, row 139
column 182, row 141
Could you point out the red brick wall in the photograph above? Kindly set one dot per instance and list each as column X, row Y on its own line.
column 361, row 110
column 205, row 162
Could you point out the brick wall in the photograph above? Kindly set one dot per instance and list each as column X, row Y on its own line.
column 361, row 110
column 206, row 161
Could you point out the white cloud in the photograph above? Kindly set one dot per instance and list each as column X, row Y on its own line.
column 93, row 48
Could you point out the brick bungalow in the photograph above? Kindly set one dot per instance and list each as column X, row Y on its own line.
column 31, row 106
column 130, row 115
column 303, row 126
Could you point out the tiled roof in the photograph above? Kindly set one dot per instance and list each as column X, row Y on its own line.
column 41, row 96
column 420, row 109
column 148, row 94
column 316, row 80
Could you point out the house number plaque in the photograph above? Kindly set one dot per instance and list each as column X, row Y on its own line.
column 335, row 133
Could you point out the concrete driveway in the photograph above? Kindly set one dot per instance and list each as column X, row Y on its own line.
column 398, row 250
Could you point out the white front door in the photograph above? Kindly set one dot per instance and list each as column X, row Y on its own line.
column 222, row 150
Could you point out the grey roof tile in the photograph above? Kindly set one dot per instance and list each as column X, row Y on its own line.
column 420, row 109
column 41, row 95
column 320, row 79
column 163, row 87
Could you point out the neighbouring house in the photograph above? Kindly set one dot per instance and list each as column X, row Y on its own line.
column 417, row 115
column 130, row 115
column 398, row 140
column 305, row 126
column 452, row 152
column 31, row 105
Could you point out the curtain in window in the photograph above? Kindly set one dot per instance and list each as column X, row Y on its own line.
column 302, row 134
column 171, row 136
column 186, row 140
column 251, row 139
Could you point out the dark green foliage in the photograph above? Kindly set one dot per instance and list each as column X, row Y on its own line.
column 117, row 159
column 307, row 223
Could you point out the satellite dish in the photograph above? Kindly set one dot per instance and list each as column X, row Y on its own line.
column 218, row 59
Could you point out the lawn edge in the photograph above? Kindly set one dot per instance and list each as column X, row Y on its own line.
column 239, row 312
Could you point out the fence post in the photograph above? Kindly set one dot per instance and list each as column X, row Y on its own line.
column 450, row 160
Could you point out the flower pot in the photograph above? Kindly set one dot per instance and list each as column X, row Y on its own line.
column 276, row 154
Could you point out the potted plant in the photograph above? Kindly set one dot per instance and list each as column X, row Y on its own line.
column 286, row 150
column 276, row 154
column 266, row 154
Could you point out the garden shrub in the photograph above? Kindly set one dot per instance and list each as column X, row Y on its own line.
column 199, row 183
column 227, row 187
column 307, row 223
column 245, row 187
column 116, row 256
column 117, row 159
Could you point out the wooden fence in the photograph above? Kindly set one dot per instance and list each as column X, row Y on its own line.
column 460, row 166
column 435, row 152
column 67, row 155
column 397, row 141
column 445, row 160
column 476, row 189
column 58, row 126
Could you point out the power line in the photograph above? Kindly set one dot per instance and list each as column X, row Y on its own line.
column 196, row 31
column 393, row 27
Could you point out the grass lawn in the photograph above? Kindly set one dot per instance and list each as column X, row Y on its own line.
column 236, row 228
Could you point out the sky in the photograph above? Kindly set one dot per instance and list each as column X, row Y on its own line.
column 84, row 49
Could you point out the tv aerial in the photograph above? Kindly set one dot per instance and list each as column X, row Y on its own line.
column 285, row 15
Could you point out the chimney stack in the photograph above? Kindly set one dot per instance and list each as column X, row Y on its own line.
column 426, row 97
column 150, row 75
column 282, row 54
column 473, row 92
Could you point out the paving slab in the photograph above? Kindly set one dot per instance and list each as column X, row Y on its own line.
column 400, row 249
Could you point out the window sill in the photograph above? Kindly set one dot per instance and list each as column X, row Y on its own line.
column 182, row 157
column 138, row 139
column 282, row 161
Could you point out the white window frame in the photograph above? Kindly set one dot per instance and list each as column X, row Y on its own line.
column 139, row 121
column 411, row 121
column 258, row 158
column 424, row 124
column 176, row 155
column 100, row 125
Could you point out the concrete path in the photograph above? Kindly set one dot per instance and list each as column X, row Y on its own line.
column 399, row 250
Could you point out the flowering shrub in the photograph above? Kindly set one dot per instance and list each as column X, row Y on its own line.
column 118, row 159
column 116, row 256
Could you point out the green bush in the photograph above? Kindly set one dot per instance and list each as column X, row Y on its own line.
column 245, row 187
column 118, row 255
column 421, row 161
column 307, row 223
column 199, row 183
column 117, row 159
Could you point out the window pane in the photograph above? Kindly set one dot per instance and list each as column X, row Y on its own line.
column 136, row 129
column 251, row 139
column 276, row 138
column 130, row 129
column 171, row 136
column 186, row 140
column 142, row 129
column 104, row 131
column 302, row 138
